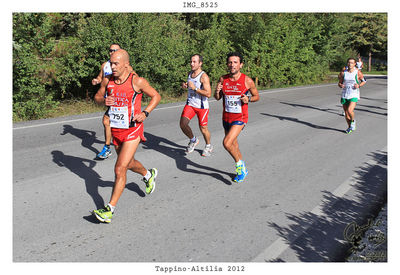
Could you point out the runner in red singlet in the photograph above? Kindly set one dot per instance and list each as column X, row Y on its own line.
column 124, row 95
column 104, row 75
column 237, row 90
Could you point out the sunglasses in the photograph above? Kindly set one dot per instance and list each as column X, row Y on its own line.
column 112, row 50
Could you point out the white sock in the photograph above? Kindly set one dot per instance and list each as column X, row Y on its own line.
column 240, row 162
column 111, row 207
column 148, row 175
column 193, row 139
column 208, row 145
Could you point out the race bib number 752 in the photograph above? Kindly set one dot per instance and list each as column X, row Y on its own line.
column 119, row 117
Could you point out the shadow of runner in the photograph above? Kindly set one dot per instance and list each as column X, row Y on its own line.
column 84, row 169
column 322, row 238
column 328, row 110
column 88, row 137
column 177, row 153
column 303, row 122
column 369, row 111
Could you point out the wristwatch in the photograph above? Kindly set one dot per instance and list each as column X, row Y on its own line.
column 145, row 113
column 249, row 97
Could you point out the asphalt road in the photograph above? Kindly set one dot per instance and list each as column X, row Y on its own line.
column 307, row 181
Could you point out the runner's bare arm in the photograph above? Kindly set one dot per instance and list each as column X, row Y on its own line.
column 361, row 77
column 341, row 79
column 99, row 97
column 141, row 84
column 206, row 91
column 253, row 90
column 99, row 78
column 218, row 89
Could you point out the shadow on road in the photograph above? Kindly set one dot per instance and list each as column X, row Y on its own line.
column 328, row 110
column 322, row 237
column 369, row 111
column 375, row 99
column 177, row 153
column 88, row 137
column 303, row 122
column 84, row 169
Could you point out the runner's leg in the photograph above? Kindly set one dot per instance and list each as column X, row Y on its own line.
column 206, row 134
column 126, row 153
column 350, row 110
column 346, row 113
column 184, row 124
column 202, row 116
column 107, row 129
column 230, row 142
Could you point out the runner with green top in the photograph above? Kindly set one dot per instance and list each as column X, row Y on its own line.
column 350, row 80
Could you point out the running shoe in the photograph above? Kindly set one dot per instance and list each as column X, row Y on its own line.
column 151, row 183
column 104, row 214
column 207, row 151
column 353, row 125
column 349, row 130
column 191, row 145
column 105, row 153
column 241, row 172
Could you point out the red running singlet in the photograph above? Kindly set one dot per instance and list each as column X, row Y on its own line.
column 128, row 103
column 234, row 109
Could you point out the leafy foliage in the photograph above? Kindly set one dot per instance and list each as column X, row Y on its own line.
column 55, row 55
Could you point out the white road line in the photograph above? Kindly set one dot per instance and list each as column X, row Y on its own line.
column 273, row 251
column 171, row 107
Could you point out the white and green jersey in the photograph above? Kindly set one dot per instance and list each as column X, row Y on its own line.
column 349, row 80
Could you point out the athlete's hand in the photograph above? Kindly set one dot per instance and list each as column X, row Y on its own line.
column 184, row 85
column 217, row 94
column 139, row 117
column 110, row 99
column 95, row 81
column 341, row 85
column 244, row 99
column 219, row 87
column 356, row 86
column 191, row 85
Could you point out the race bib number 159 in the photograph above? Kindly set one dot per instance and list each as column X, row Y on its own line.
column 233, row 104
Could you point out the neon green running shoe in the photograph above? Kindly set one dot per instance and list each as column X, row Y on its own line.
column 349, row 130
column 241, row 172
column 103, row 214
column 151, row 183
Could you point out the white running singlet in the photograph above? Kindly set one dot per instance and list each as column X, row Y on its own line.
column 194, row 99
column 349, row 79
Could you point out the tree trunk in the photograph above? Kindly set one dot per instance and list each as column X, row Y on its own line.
column 369, row 61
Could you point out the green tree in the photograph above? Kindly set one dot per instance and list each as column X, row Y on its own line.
column 213, row 44
column 369, row 34
column 161, row 49
column 31, row 44
column 55, row 55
